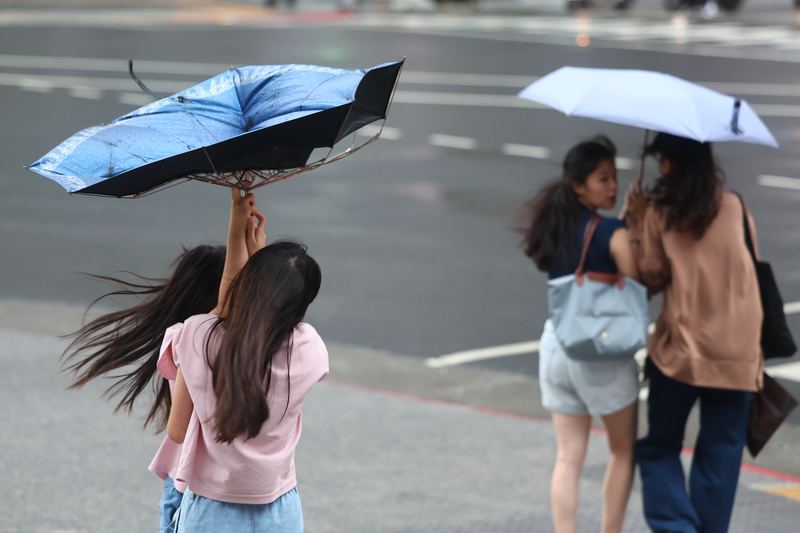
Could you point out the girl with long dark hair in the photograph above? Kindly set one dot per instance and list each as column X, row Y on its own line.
column 242, row 372
column 706, row 342
column 126, row 344
column 573, row 391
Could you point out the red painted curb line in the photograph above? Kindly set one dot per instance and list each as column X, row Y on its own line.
column 766, row 472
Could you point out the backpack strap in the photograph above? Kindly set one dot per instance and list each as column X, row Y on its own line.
column 587, row 240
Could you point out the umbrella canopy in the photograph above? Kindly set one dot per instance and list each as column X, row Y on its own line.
column 259, row 118
column 650, row 100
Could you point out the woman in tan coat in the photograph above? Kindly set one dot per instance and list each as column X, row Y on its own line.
column 688, row 236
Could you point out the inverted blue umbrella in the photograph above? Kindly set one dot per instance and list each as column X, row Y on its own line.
column 246, row 127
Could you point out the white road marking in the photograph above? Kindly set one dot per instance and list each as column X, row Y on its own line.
column 626, row 163
column 26, row 81
column 35, row 84
column 106, row 84
column 135, row 99
column 111, row 65
column 454, row 78
column 452, row 141
column 789, row 371
column 465, row 99
column 776, row 110
column 493, row 352
column 525, row 150
column 780, row 182
column 89, row 93
column 408, row 77
column 388, row 133
column 469, row 356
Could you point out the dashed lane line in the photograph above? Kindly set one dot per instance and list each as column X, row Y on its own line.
column 371, row 130
column 525, row 150
column 452, row 141
column 626, row 163
column 47, row 82
column 408, row 77
column 466, row 99
column 134, row 99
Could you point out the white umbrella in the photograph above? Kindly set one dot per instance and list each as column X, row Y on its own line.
column 650, row 100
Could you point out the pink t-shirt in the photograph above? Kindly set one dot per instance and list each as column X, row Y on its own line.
column 261, row 469
column 165, row 463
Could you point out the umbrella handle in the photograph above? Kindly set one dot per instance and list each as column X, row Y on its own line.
column 641, row 163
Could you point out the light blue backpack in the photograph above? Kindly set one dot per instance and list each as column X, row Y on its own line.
column 596, row 316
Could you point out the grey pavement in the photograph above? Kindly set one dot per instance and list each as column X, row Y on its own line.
column 388, row 445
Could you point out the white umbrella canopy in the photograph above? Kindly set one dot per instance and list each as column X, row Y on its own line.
column 650, row 100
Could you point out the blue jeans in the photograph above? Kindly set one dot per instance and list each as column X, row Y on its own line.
column 168, row 506
column 199, row 514
column 707, row 506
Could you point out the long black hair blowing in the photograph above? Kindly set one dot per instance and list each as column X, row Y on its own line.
column 689, row 195
column 132, row 337
column 266, row 300
column 552, row 215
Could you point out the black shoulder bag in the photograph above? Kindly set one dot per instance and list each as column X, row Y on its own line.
column 772, row 404
column 776, row 339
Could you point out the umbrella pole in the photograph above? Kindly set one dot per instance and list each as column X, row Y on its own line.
column 641, row 163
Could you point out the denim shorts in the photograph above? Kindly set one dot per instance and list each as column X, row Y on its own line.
column 583, row 387
column 168, row 507
column 199, row 514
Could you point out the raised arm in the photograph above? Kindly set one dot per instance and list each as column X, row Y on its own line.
column 240, row 231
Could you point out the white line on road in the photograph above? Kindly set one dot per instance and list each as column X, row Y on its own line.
column 452, row 141
column 468, row 356
column 789, row 371
column 110, row 65
column 776, row 110
column 465, row 99
column 71, row 82
column 408, row 77
column 525, row 150
column 135, row 99
column 89, row 93
column 404, row 97
column 506, row 350
column 625, row 163
column 780, row 182
column 387, row 133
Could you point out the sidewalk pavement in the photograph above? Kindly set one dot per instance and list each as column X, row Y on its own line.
column 389, row 445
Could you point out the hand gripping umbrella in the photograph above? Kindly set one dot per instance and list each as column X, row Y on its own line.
column 246, row 127
column 650, row 100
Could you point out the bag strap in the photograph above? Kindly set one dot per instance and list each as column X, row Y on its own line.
column 587, row 240
column 748, row 239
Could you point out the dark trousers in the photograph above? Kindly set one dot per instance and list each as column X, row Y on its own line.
column 707, row 506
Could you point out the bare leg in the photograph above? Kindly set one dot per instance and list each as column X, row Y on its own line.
column 572, row 438
column 617, row 483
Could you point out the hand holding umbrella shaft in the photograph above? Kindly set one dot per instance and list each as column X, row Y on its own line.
column 633, row 211
column 243, row 208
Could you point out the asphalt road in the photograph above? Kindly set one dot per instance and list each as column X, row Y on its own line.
column 415, row 240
